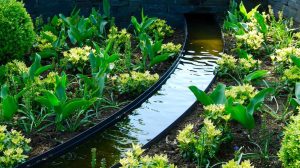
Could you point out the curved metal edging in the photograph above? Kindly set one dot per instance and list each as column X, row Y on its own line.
column 186, row 113
column 78, row 139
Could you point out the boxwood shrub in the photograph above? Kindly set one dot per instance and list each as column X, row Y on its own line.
column 16, row 30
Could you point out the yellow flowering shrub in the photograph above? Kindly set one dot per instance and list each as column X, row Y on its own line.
column 252, row 40
column 227, row 63
column 13, row 147
column 170, row 48
column 77, row 55
column 289, row 153
column 45, row 40
column 233, row 164
column 216, row 113
column 282, row 56
column 16, row 67
column 121, row 39
column 134, row 160
column 291, row 75
column 160, row 28
column 134, row 82
column 241, row 94
column 248, row 65
column 202, row 145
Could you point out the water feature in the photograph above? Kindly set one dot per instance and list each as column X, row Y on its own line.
column 196, row 67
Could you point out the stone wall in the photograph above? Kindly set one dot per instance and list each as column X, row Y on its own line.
column 171, row 10
column 291, row 8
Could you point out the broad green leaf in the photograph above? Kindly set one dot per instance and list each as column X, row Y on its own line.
column 252, row 12
column 9, row 107
column 113, row 58
column 35, row 66
column 296, row 60
column 74, row 105
column 218, row 95
column 242, row 53
column 48, row 53
column 297, row 90
column 262, row 24
column 42, row 69
column 53, row 100
column 106, row 8
column 201, row 96
column 61, row 87
column 4, row 91
column 160, row 58
column 295, row 102
column 240, row 114
column 258, row 99
column 256, row 75
column 243, row 10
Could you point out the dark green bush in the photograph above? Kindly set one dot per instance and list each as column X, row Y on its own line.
column 16, row 30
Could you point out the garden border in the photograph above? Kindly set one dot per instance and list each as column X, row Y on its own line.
column 100, row 127
column 189, row 110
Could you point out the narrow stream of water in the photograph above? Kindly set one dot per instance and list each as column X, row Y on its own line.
column 162, row 109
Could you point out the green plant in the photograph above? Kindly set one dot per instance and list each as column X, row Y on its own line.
column 295, row 102
column 13, row 147
column 244, row 114
column 134, row 160
column 234, row 164
column 141, row 28
column 8, row 105
column 290, row 147
column 150, row 51
column 160, row 28
column 16, row 30
column 59, row 103
column 134, row 83
column 292, row 75
column 200, row 146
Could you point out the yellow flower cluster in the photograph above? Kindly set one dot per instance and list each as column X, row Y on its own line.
column 78, row 55
column 215, row 112
column 186, row 135
column 211, row 129
column 227, row 62
column 13, row 146
column 133, row 159
column 233, row 164
column 45, row 40
column 170, row 48
column 50, row 79
column 16, row 67
column 241, row 94
column 249, row 64
column 252, row 39
column 292, row 75
column 282, row 56
column 161, row 28
column 134, row 82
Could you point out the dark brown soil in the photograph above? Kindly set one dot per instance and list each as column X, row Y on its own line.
column 267, row 133
column 42, row 142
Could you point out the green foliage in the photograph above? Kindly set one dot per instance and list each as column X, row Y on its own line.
column 16, row 30
column 160, row 28
column 290, row 147
column 295, row 102
column 134, row 160
column 141, row 28
column 134, row 83
column 234, row 164
column 200, row 146
column 59, row 103
column 241, row 94
column 150, row 51
column 8, row 105
column 13, row 147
